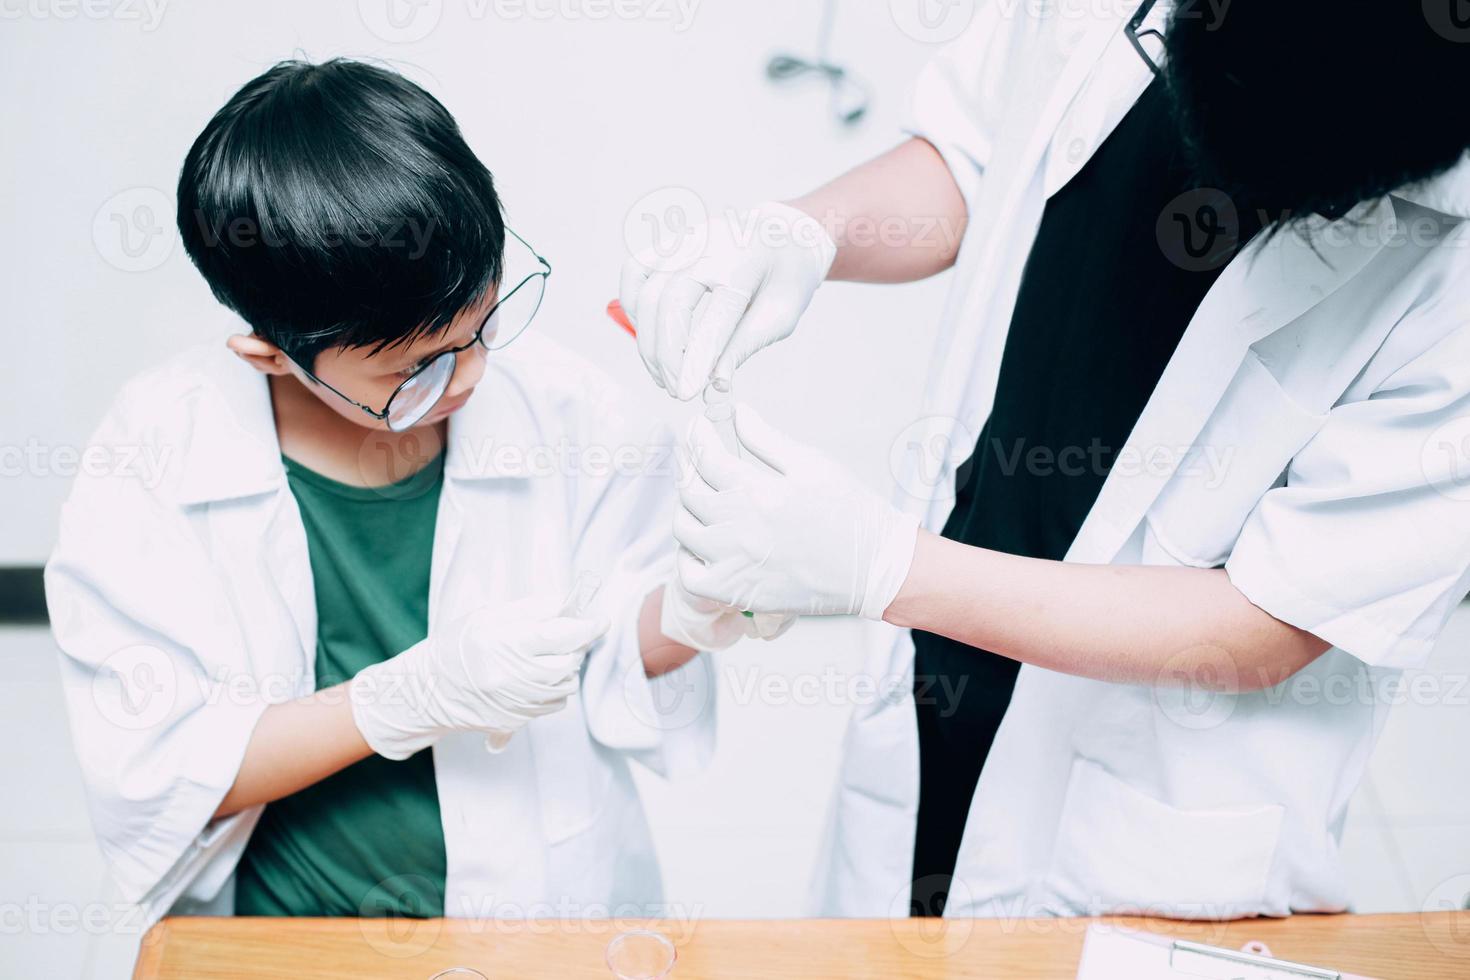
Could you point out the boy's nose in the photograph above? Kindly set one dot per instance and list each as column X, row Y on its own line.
column 469, row 368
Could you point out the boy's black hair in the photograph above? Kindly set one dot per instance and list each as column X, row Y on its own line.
column 337, row 205
column 1296, row 107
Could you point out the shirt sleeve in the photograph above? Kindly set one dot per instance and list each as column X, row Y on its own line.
column 1367, row 543
column 159, row 740
column 624, row 521
column 956, row 100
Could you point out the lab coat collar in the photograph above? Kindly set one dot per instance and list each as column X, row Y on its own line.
column 1267, row 286
column 232, row 450
column 1448, row 193
column 495, row 435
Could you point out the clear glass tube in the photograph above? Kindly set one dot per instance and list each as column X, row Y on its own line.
column 719, row 408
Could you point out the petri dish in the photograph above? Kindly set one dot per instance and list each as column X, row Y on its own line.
column 641, row 954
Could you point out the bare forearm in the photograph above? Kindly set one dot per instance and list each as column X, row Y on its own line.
column 896, row 218
column 1127, row 623
column 660, row 654
column 295, row 744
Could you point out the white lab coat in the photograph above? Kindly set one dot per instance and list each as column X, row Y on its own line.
column 1319, row 399
column 181, row 596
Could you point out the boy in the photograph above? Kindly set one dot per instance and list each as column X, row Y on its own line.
column 349, row 561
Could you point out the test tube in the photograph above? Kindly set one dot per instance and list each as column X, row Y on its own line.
column 719, row 408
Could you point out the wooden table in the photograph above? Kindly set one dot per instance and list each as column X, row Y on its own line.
column 1399, row 946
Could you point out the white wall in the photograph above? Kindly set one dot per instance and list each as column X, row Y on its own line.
column 578, row 118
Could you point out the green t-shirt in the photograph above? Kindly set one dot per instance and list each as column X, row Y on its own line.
column 367, row 840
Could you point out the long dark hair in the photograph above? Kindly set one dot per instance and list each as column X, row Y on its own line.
column 1301, row 107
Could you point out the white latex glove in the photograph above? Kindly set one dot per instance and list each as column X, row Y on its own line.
column 708, row 625
column 797, row 535
column 753, row 280
column 491, row 671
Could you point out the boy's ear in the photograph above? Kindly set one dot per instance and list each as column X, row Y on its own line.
column 259, row 353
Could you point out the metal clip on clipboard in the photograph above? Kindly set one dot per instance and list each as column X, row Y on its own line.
column 1199, row 960
column 1111, row 951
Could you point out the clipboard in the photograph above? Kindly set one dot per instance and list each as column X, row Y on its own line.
column 1110, row 952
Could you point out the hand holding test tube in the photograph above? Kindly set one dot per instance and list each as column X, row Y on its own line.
column 719, row 407
column 583, row 590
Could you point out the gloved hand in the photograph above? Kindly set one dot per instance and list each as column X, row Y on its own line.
column 707, row 625
column 798, row 535
column 490, row 671
column 759, row 270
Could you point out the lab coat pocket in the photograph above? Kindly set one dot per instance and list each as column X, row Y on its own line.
column 881, row 761
column 1241, row 453
column 572, row 775
column 1119, row 850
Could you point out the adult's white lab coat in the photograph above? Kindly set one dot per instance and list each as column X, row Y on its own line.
column 181, row 597
column 1308, row 434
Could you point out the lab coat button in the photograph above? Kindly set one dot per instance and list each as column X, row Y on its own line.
column 1076, row 149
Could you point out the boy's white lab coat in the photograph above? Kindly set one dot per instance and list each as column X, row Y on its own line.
column 181, row 596
column 1309, row 435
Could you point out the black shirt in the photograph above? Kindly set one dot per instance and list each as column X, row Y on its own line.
column 1124, row 254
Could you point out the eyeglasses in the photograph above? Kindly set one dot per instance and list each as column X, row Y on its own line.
column 1131, row 31
column 512, row 313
